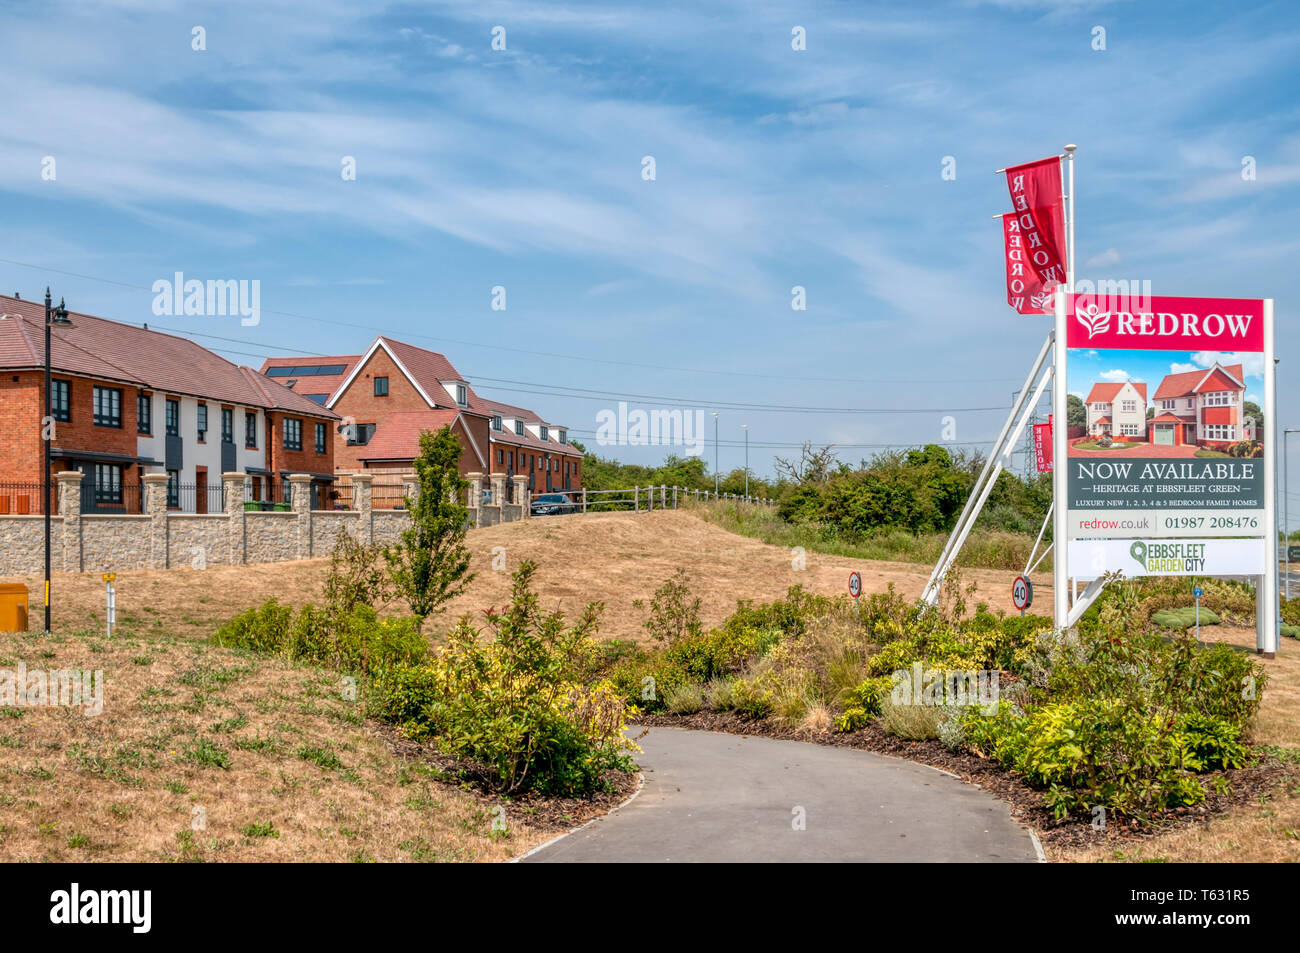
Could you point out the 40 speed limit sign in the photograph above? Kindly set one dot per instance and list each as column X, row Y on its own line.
column 855, row 584
column 1022, row 593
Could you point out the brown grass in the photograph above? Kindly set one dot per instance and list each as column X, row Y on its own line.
column 610, row 557
column 120, row 786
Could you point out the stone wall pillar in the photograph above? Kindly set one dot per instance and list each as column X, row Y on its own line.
column 300, row 500
column 499, row 488
column 155, row 504
column 521, row 495
column 69, row 503
column 475, row 500
column 363, row 496
column 410, row 488
column 234, row 487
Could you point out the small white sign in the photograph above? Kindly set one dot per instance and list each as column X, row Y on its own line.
column 1092, row 558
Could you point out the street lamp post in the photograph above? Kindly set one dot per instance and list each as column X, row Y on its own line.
column 715, row 455
column 745, row 427
column 53, row 316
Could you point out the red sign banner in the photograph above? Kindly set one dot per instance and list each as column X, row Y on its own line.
column 1165, row 323
column 1043, row 446
column 1036, row 200
column 1025, row 291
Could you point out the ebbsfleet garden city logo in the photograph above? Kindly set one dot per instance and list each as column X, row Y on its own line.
column 1158, row 557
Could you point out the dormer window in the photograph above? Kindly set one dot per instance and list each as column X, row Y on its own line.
column 563, row 436
column 545, row 432
column 519, row 427
column 462, row 395
column 496, row 423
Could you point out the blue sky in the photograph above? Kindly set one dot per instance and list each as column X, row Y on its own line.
column 522, row 168
column 1088, row 367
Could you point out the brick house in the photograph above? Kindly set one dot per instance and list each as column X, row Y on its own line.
column 1205, row 408
column 522, row 443
column 127, row 400
column 1118, row 411
column 386, row 396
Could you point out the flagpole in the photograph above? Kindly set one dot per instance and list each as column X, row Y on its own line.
column 1061, row 419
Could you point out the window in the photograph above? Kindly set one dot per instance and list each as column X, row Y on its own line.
column 108, row 407
column 292, row 433
column 203, row 422
column 1218, row 432
column 1102, row 406
column 1169, row 405
column 144, row 413
column 496, row 423
column 250, row 428
column 501, row 456
column 519, row 427
column 1129, row 406
column 546, row 433
column 381, row 386
column 320, row 437
column 173, row 488
column 61, row 400
column 1219, row 399
column 1130, row 430
column 564, row 436
column 108, row 483
column 358, row 434
column 173, row 418
column 462, row 395
column 227, row 425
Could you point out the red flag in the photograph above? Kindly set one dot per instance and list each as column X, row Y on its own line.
column 1036, row 199
column 1025, row 291
column 1043, row 445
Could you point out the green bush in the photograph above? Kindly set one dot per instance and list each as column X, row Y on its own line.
column 1184, row 618
column 910, row 721
column 1211, row 743
column 514, row 705
column 358, row 641
column 863, row 703
column 685, row 699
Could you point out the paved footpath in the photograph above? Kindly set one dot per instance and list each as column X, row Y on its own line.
column 715, row 797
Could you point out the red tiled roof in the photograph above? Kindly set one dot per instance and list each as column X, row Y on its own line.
column 1102, row 420
column 397, row 436
column 111, row 350
column 429, row 368
column 530, row 442
column 1168, row 418
column 1183, row 384
column 1107, row 391
column 510, row 410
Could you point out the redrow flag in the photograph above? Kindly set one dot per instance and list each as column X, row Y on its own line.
column 1039, row 211
column 1025, row 291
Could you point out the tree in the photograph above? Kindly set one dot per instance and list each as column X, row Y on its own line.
column 1076, row 414
column 813, row 465
column 430, row 563
column 1252, row 409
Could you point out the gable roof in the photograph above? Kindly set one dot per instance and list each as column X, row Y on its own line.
column 397, row 436
column 1187, row 383
column 1107, row 391
column 425, row 369
column 125, row 353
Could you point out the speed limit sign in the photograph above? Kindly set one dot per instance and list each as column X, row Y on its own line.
column 1022, row 593
column 855, row 584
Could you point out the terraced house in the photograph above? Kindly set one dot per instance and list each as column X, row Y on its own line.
column 128, row 400
column 386, row 396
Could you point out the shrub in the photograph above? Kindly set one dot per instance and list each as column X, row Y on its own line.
column 861, row 704
column 718, row 696
column 264, row 629
column 674, row 614
column 910, row 722
column 1185, row 618
column 684, row 699
column 1211, row 743
column 514, row 706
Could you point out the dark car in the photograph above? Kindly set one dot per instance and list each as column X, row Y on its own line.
column 552, row 504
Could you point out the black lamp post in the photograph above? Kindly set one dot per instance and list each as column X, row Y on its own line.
column 53, row 316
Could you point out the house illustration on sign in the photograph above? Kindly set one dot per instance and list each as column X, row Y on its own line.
column 1118, row 410
column 1205, row 408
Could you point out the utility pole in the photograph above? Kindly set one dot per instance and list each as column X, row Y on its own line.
column 53, row 316
column 716, row 485
column 745, row 427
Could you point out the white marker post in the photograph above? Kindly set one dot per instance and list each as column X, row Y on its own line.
column 110, row 602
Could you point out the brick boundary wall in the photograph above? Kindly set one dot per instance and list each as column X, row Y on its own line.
column 160, row 539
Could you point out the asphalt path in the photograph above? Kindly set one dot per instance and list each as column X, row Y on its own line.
column 714, row 797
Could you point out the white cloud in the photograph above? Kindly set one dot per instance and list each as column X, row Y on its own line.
column 1177, row 368
column 1253, row 363
column 1114, row 375
column 1107, row 259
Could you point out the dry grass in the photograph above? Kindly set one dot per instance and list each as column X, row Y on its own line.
column 610, row 557
column 1268, row 831
column 305, row 780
